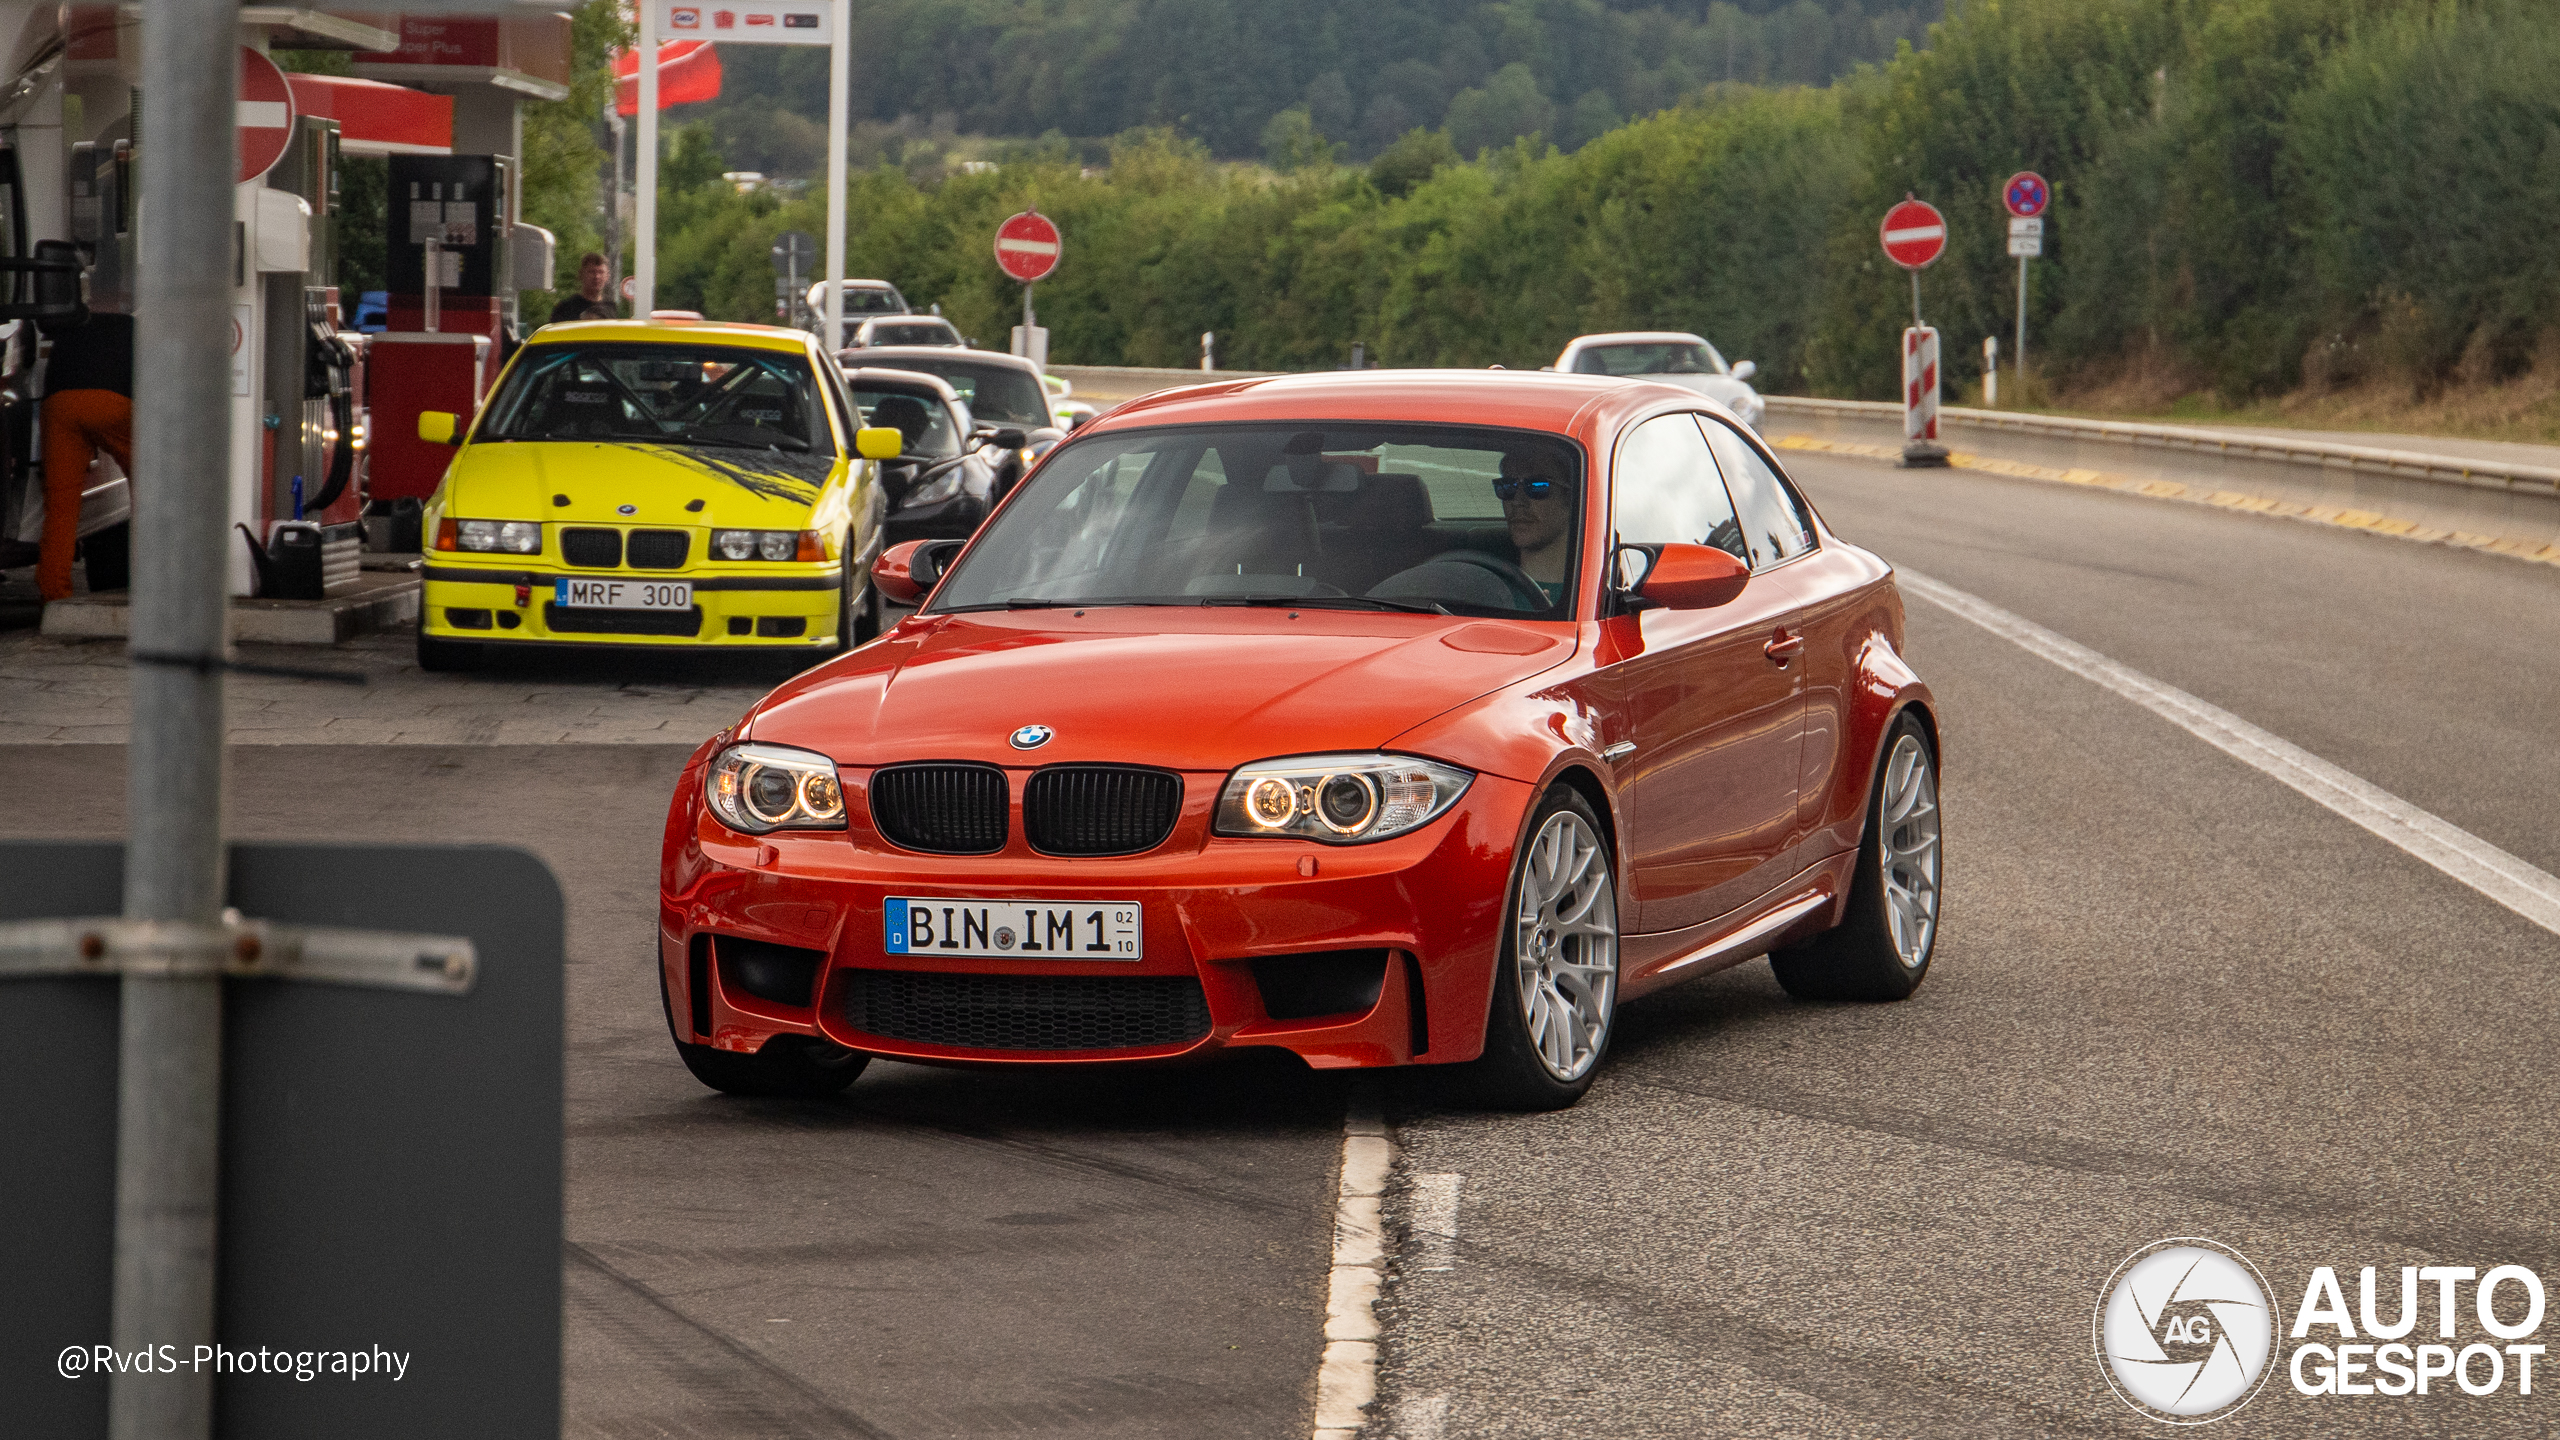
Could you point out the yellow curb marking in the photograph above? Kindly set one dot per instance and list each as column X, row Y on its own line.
column 2371, row 522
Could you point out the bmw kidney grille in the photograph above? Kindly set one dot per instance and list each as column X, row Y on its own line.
column 1100, row 809
column 940, row 809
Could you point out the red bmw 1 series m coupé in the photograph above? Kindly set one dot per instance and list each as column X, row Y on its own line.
column 1412, row 718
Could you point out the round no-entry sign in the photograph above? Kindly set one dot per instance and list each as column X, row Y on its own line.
column 2026, row 194
column 1027, row 246
column 1914, row 233
column 265, row 115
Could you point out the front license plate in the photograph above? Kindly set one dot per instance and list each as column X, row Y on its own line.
column 1014, row 929
column 623, row 594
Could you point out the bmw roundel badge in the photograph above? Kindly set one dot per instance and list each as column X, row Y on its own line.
column 626, row 509
column 1032, row 737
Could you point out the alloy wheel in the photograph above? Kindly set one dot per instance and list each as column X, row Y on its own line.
column 1565, row 945
column 1907, row 850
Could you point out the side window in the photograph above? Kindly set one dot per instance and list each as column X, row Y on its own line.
column 1773, row 519
column 1668, row 489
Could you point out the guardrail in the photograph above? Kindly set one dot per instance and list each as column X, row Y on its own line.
column 2541, row 481
column 2512, row 507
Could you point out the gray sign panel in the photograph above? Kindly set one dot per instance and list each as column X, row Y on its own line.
column 391, row 1161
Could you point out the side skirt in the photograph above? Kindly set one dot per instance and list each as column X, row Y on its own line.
column 1803, row 906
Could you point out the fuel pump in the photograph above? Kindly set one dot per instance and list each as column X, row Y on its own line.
column 312, row 444
column 452, row 305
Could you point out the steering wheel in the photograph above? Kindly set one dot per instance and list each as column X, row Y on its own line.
column 1522, row 584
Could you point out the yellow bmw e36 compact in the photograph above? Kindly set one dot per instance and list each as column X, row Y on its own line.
column 648, row 483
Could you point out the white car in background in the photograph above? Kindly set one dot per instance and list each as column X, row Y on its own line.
column 1673, row 356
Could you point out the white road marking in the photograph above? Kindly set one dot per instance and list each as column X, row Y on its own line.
column 2522, row 887
column 1422, row 1419
column 1347, row 1378
column 1435, row 1220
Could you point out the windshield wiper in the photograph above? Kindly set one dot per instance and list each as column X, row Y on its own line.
column 1328, row 602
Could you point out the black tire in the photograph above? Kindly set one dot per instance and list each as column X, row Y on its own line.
column 109, row 557
column 1865, row 956
column 793, row 1066
column 1516, row 1072
column 435, row 654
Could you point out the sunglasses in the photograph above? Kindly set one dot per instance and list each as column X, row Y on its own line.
column 1537, row 489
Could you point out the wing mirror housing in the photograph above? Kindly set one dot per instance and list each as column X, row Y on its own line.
column 879, row 442
column 1682, row 577
column 439, row 427
column 1743, row 370
column 906, row 573
column 1007, row 437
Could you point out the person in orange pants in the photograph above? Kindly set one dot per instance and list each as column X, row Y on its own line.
column 88, row 407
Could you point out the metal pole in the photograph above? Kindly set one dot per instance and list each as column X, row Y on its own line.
column 613, row 203
column 839, row 117
column 169, row 1066
column 2022, row 329
column 644, row 261
column 1029, row 320
column 1915, row 301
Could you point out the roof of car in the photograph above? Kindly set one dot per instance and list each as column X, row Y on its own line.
column 884, row 377
column 939, row 355
column 672, row 332
column 1523, row 399
column 1638, row 337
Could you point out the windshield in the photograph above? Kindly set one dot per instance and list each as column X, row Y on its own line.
column 924, row 420
column 666, row 394
column 1649, row 358
column 1437, row 518
column 909, row 332
column 997, row 393
column 872, row 302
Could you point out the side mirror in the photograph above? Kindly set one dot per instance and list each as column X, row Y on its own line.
column 879, row 442
column 1689, row 577
column 439, row 427
column 905, row 573
column 1743, row 370
column 1007, row 437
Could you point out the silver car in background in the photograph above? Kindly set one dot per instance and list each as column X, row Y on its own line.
column 1673, row 356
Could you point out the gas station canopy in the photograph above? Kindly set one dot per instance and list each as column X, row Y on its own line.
column 375, row 118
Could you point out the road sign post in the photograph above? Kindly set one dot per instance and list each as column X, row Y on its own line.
column 2026, row 196
column 1914, row 235
column 793, row 252
column 1028, row 248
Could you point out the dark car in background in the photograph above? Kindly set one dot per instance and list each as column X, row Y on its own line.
column 1001, row 391
column 943, row 484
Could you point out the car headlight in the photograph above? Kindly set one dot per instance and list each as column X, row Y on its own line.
column 515, row 537
column 768, row 545
column 763, row 788
column 1338, row 799
column 938, row 489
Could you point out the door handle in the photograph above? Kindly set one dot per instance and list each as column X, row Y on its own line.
column 1783, row 647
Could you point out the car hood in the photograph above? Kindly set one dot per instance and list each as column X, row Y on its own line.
column 529, row 479
column 1208, row 690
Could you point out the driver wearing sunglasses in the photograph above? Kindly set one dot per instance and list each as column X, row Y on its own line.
column 1537, row 503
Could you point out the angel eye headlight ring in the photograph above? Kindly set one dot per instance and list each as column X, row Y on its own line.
column 759, row 788
column 1338, row 799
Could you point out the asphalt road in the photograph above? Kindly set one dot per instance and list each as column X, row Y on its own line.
column 2172, row 998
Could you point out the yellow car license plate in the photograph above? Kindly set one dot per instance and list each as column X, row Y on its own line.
column 623, row 594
